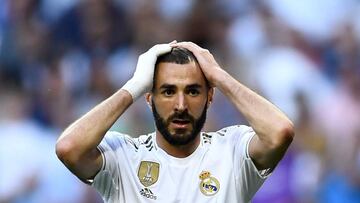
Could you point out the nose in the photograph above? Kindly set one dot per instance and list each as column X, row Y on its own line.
column 181, row 104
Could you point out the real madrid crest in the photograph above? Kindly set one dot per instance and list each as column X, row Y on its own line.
column 148, row 172
column 208, row 185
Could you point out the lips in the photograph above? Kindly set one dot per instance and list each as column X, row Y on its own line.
column 180, row 123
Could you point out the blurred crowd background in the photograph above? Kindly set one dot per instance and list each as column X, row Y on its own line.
column 60, row 58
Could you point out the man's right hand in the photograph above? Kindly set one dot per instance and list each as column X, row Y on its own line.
column 142, row 80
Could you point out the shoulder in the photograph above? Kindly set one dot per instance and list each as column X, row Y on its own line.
column 144, row 141
column 230, row 132
column 114, row 140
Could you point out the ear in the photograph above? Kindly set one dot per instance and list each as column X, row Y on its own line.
column 148, row 98
column 210, row 96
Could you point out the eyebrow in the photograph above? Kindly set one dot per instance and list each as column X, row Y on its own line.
column 170, row 86
column 167, row 86
column 193, row 86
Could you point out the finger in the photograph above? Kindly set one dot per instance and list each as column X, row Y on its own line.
column 173, row 42
column 189, row 45
column 194, row 48
column 160, row 49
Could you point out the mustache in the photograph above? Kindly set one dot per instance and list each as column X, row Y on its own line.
column 182, row 116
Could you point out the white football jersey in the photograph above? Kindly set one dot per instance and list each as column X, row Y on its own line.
column 219, row 170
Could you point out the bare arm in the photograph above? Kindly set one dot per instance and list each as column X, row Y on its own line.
column 77, row 145
column 274, row 131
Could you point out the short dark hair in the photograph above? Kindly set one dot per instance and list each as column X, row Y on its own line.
column 177, row 56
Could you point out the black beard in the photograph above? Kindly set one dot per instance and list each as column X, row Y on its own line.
column 162, row 126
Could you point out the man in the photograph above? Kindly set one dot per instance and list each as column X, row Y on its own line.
column 177, row 163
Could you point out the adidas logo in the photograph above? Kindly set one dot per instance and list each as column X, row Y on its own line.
column 147, row 193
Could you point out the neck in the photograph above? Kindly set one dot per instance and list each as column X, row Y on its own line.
column 177, row 151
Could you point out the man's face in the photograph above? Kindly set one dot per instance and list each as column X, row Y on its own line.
column 179, row 102
column 180, row 136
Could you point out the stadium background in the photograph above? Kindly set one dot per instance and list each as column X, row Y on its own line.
column 60, row 58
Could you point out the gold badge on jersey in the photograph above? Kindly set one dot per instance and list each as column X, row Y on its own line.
column 148, row 172
column 208, row 185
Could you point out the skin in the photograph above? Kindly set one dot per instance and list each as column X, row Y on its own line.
column 274, row 131
column 179, row 88
column 77, row 145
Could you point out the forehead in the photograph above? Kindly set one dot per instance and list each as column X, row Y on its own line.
column 179, row 74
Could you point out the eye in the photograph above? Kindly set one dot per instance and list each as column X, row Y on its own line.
column 193, row 92
column 168, row 92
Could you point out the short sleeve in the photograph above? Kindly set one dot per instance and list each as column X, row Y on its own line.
column 248, row 178
column 107, row 180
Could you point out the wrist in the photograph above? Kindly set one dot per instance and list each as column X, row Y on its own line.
column 134, row 88
column 219, row 77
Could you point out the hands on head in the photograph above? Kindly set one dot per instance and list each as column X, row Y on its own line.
column 206, row 60
column 142, row 80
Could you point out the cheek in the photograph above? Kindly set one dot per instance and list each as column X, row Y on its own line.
column 163, row 109
column 197, row 108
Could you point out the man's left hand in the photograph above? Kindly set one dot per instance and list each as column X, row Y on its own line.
column 207, row 62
